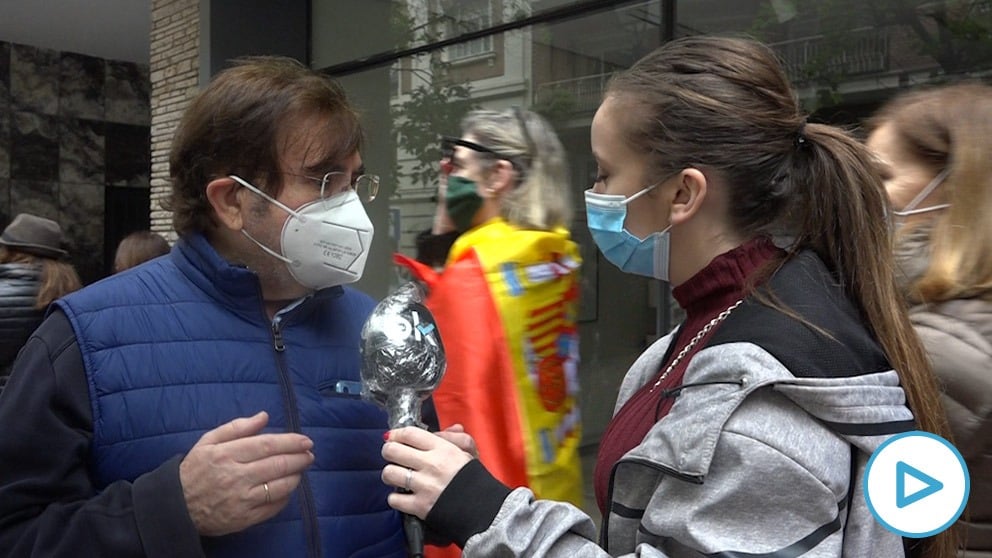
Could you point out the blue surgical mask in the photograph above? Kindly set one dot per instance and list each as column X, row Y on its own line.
column 605, row 215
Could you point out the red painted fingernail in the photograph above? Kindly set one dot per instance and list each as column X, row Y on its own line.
column 385, row 436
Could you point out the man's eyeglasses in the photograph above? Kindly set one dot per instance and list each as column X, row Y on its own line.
column 337, row 182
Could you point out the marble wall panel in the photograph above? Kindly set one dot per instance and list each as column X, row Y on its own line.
column 81, row 215
column 58, row 154
column 5, row 110
column 5, row 143
column 35, row 197
column 34, row 79
column 81, row 83
column 81, row 151
column 126, row 93
column 34, row 149
column 5, row 215
column 4, row 76
column 128, row 155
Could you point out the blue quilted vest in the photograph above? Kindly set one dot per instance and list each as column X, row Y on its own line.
column 182, row 344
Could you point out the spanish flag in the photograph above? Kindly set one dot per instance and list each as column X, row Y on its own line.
column 505, row 306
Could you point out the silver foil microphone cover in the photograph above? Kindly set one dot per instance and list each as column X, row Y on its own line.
column 402, row 355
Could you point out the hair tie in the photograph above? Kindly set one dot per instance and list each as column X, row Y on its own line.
column 801, row 141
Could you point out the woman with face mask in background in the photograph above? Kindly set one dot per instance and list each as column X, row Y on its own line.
column 506, row 301
column 746, row 431
column 933, row 151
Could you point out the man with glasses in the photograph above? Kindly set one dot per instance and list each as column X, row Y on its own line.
column 207, row 403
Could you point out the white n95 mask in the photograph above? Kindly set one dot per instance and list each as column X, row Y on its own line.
column 325, row 243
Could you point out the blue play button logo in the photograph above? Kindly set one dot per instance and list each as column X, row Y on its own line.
column 930, row 484
column 916, row 484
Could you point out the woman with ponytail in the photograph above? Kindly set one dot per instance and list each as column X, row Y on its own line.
column 746, row 430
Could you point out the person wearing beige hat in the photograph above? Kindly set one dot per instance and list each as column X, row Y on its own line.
column 32, row 275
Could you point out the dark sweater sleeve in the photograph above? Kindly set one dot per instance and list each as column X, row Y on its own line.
column 49, row 505
column 468, row 505
column 432, row 249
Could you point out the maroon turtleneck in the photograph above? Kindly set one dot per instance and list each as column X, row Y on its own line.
column 707, row 293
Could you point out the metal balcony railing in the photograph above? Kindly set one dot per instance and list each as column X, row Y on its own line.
column 576, row 95
column 863, row 51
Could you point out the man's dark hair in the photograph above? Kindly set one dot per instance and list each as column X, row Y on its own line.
column 244, row 120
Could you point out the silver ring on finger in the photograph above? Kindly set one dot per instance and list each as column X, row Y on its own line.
column 268, row 497
column 409, row 478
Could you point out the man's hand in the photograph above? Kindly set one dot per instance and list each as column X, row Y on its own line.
column 234, row 477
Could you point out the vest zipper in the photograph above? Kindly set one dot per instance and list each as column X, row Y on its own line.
column 277, row 336
column 309, row 515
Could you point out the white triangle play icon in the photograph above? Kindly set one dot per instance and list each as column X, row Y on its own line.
column 913, row 485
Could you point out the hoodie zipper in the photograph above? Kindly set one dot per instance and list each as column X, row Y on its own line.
column 604, row 539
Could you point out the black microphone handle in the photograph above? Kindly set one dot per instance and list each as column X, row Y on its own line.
column 412, row 524
column 414, row 528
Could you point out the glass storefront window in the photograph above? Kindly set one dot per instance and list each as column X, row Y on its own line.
column 466, row 16
column 844, row 56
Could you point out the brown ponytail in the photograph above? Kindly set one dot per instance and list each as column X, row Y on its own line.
column 842, row 218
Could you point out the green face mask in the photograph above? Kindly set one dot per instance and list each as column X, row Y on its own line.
column 462, row 201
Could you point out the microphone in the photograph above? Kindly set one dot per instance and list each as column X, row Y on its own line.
column 402, row 363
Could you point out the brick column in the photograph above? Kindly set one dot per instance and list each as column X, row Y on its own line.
column 174, row 70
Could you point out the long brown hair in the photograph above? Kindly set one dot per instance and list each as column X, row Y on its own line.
column 58, row 278
column 726, row 104
column 947, row 128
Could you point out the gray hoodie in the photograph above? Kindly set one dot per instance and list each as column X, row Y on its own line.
column 762, row 453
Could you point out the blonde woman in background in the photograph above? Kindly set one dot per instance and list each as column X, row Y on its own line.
column 933, row 151
column 505, row 302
